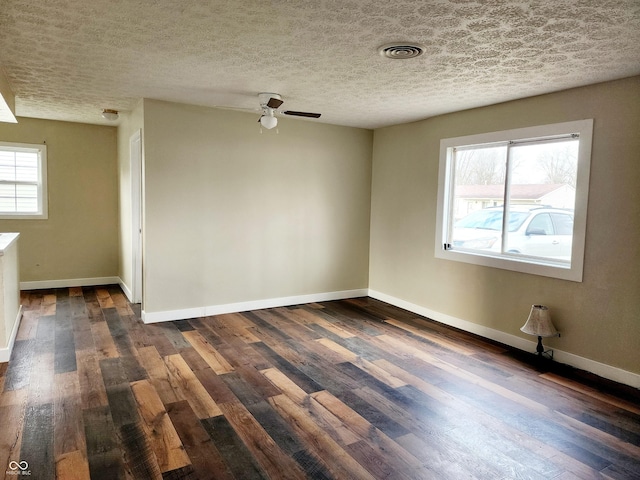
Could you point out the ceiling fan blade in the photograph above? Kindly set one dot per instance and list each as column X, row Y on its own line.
column 274, row 103
column 302, row 114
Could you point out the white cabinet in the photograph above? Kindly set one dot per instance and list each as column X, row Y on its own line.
column 10, row 309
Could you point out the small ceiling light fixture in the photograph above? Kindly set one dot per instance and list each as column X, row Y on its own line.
column 539, row 323
column 109, row 114
column 268, row 120
column 401, row 50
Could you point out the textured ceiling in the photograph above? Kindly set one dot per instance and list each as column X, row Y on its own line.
column 69, row 59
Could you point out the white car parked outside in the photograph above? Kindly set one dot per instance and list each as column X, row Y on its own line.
column 537, row 231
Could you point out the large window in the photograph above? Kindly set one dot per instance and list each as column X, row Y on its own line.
column 23, row 181
column 516, row 199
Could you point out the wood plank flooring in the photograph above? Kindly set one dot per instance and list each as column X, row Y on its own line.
column 352, row 389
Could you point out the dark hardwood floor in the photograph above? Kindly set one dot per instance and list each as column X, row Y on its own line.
column 350, row 389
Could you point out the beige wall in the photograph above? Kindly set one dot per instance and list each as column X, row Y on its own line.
column 600, row 317
column 232, row 215
column 80, row 238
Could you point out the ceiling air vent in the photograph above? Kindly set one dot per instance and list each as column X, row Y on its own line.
column 401, row 51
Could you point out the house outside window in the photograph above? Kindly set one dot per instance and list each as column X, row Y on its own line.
column 23, row 181
column 469, row 198
column 516, row 199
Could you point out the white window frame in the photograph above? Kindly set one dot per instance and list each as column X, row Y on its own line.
column 574, row 271
column 43, row 205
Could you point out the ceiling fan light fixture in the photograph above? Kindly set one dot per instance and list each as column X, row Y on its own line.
column 268, row 121
column 109, row 114
column 270, row 104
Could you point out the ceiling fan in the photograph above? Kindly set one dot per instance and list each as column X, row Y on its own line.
column 270, row 103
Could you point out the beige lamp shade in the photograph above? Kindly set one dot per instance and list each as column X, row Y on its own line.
column 539, row 322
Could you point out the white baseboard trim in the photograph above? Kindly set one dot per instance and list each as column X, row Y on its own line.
column 601, row 369
column 171, row 315
column 183, row 314
column 126, row 290
column 5, row 353
column 70, row 282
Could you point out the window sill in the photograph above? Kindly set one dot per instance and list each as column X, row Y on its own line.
column 542, row 267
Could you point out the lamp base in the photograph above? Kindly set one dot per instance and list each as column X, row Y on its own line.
column 542, row 353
